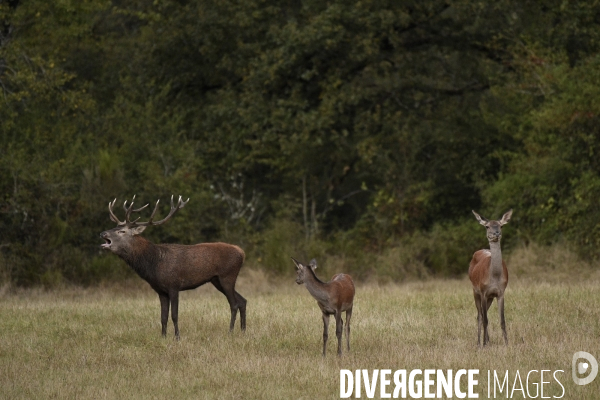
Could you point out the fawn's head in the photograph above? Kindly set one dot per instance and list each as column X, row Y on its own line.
column 494, row 228
column 301, row 269
column 119, row 239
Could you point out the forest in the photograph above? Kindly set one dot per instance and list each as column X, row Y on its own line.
column 362, row 133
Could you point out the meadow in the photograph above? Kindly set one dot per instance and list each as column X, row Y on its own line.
column 105, row 342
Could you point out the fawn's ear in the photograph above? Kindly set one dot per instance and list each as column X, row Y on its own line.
column 136, row 230
column 298, row 263
column 506, row 217
column 481, row 220
column 313, row 264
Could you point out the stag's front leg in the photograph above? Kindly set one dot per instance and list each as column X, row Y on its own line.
column 174, row 296
column 339, row 327
column 164, row 312
column 325, row 332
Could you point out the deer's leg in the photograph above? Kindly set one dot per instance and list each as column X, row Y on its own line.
column 479, row 317
column 484, row 318
column 325, row 332
column 242, row 306
column 348, row 315
column 229, row 292
column 339, row 327
column 174, row 296
column 164, row 312
column 502, row 321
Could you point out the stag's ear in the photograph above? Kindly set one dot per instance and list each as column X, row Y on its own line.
column 298, row 263
column 136, row 230
column 481, row 220
column 506, row 217
column 313, row 264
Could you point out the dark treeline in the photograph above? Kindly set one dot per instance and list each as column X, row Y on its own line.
column 333, row 128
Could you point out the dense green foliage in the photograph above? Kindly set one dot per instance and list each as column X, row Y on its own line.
column 342, row 129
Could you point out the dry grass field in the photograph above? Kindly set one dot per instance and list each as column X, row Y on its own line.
column 106, row 343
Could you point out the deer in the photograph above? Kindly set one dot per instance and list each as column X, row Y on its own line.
column 489, row 276
column 333, row 297
column 171, row 268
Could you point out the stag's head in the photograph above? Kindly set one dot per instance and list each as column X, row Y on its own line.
column 119, row 239
column 301, row 269
column 494, row 228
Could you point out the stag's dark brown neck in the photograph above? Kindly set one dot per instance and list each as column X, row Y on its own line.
column 316, row 287
column 143, row 257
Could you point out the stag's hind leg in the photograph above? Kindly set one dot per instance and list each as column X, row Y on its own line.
column 241, row 301
column 230, row 293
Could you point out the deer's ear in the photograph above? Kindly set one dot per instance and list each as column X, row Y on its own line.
column 313, row 264
column 481, row 220
column 506, row 217
column 136, row 230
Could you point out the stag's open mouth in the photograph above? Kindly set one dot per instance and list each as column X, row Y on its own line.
column 106, row 245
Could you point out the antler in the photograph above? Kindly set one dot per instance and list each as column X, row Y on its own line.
column 112, row 215
column 174, row 208
column 129, row 210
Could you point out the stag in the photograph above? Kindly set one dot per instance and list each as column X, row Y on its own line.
column 171, row 268
column 333, row 298
column 489, row 276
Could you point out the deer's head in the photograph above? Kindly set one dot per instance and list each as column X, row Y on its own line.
column 494, row 228
column 119, row 239
column 301, row 269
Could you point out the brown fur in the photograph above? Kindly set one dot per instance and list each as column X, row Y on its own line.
column 479, row 271
column 333, row 297
column 342, row 290
column 489, row 277
column 171, row 268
